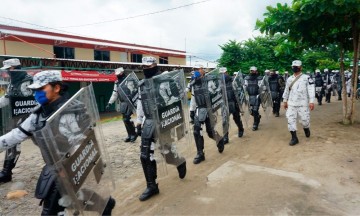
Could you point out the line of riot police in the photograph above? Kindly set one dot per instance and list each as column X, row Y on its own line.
column 162, row 120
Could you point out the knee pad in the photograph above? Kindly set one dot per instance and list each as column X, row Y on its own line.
column 146, row 149
column 45, row 182
column 197, row 131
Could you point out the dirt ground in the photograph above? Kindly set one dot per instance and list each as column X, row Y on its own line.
column 258, row 174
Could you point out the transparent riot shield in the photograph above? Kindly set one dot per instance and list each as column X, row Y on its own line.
column 172, row 117
column 19, row 100
column 129, row 91
column 5, row 111
column 72, row 143
column 242, row 97
column 217, row 104
column 265, row 96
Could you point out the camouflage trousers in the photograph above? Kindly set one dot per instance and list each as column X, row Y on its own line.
column 293, row 112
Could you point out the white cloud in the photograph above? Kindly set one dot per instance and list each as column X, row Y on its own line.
column 201, row 28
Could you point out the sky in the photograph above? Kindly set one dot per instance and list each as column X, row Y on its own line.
column 195, row 26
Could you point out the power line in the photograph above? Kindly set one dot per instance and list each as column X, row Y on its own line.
column 136, row 16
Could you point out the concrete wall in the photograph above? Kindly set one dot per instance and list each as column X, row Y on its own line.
column 23, row 49
column 176, row 61
column 124, row 57
column 84, row 54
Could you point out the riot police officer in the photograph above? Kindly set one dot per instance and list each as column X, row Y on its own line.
column 201, row 85
column 145, row 116
column 252, row 85
column 232, row 103
column 338, row 82
column 50, row 93
column 198, row 69
column 328, row 85
column 17, row 89
column 319, row 86
column 125, row 107
column 276, row 85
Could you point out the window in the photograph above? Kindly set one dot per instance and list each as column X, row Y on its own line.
column 163, row 60
column 101, row 55
column 136, row 58
column 64, row 52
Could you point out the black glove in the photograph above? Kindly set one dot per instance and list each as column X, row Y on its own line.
column 107, row 107
column 138, row 129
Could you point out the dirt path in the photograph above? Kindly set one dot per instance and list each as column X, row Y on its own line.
column 259, row 174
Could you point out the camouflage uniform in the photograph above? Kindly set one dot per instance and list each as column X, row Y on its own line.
column 298, row 98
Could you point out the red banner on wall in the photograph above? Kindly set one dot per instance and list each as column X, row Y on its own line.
column 87, row 76
column 75, row 75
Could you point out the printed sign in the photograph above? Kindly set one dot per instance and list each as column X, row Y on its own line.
column 22, row 105
column 80, row 163
column 170, row 116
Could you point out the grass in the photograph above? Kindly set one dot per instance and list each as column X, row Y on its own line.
column 110, row 119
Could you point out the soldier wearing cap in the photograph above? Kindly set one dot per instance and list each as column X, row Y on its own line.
column 299, row 99
column 19, row 80
column 125, row 109
column 253, row 83
column 50, row 94
column 232, row 103
column 148, row 122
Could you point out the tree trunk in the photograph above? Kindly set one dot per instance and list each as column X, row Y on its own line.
column 343, row 84
column 355, row 69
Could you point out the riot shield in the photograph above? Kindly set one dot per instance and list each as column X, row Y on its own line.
column 5, row 111
column 265, row 96
column 217, row 104
column 129, row 91
column 171, row 116
column 72, row 143
column 242, row 97
column 19, row 99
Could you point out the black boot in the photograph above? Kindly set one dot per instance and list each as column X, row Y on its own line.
column 256, row 122
column 109, row 207
column 307, row 132
column 240, row 132
column 6, row 173
column 133, row 134
column 152, row 189
column 182, row 170
column 199, row 142
column 294, row 140
column 221, row 146
column 277, row 114
column 226, row 138
column 128, row 138
column 200, row 156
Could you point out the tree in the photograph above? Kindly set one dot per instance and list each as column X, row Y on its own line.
column 232, row 55
column 262, row 52
column 320, row 23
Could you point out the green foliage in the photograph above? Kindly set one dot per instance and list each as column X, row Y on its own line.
column 318, row 24
column 262, row 52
